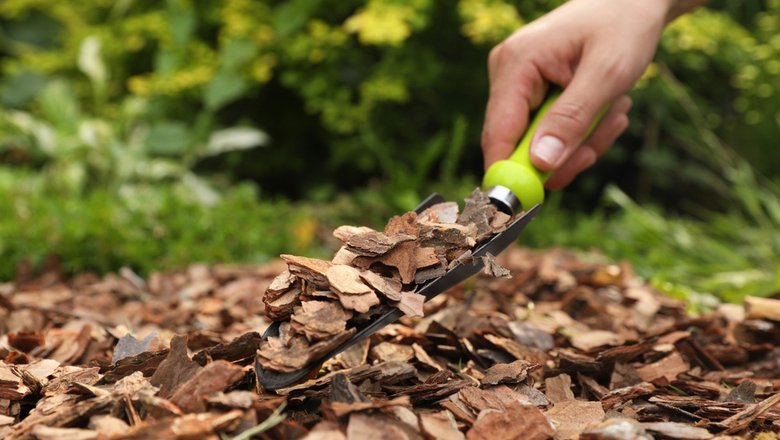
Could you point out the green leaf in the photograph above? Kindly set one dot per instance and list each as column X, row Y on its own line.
column 235, row 53
column 18, row 89
column 223, row 88
column 59, row 106
column 183, row 20
column 168, row 139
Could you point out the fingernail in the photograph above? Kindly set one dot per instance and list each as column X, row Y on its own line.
column 549, row 149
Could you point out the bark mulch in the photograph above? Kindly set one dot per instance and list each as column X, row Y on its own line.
column 566, row 348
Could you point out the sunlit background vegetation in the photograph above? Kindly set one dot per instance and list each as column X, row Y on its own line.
column 154, row 134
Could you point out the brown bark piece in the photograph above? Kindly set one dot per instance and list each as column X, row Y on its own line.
column 440, row 426
column 176, row 369
column 312, row 270
column 241, row 349
column 742, row 419
column 341, row 409
column 587, row 341
column 515, row 372
column 320, row 319
column 388, row 352
column 663, row 371
column 214, row 377
column 571, row 417
column 411, row 304
column 447, row 236
column 424, row 358
column 374, row 244
column 346, row 280
column 515, row 422
column 402, row 224
column 492, row 268
column 558, row 388
column 12, row 386
column 390, row 288
column 274, row 354
column 478, row 211
column 401, row 257
column 282, row 306
column 426, row 257
column 364, row 426
column 128, row 346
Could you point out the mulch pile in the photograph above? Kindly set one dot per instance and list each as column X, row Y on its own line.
column 565, row 349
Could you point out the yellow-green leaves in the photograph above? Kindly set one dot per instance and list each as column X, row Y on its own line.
column 387, row 22
column 488, row 21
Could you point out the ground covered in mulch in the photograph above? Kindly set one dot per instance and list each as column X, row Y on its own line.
column 566, row 348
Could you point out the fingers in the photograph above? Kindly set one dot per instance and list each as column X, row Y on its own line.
column 612, row 125
column 515, row 88
column 566, row 124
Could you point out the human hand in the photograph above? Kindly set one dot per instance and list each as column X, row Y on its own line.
column 595, row 50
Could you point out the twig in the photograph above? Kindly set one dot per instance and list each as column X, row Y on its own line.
column 274, row 419
column 742, row 419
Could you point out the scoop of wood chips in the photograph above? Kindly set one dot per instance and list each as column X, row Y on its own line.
column 371, row 272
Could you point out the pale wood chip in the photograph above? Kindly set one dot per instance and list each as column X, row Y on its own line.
column 571, row 417
column 359, row 303
column 312, row 270
column 762, row 308
column 440, row 426
column 346, row 280
column 344, row 256
column 426, row 257
column 389, row 352
column 411, row 304
column 345, row 232
column 675, row 430
column 445, row 212
column 389, row 287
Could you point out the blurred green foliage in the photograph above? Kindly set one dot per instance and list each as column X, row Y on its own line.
column 121, row 117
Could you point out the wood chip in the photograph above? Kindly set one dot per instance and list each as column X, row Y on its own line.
column 440, row 426
column 515, row 372
column 515, row 422
column 411, row 304
column 374, row 244
column 678, row 431
column 320, row 319
column 390, row 288
column 214, row 377
column 388, row 352
column 558, row 388
column 571, row 417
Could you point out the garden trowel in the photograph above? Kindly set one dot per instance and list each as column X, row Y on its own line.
column 514, row 186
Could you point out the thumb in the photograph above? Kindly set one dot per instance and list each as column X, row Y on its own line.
column 566, row 124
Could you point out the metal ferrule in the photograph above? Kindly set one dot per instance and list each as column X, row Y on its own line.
column 503, row 198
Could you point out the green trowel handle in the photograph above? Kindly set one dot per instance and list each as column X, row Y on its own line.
column 518, row 173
